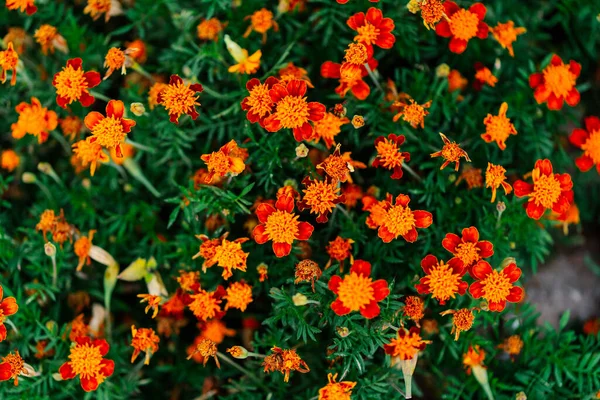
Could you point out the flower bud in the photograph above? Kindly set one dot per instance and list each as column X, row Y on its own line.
column 521, row 396
column 507, row 261
column 137, row 109
column 342, row 331
column 44, row 167
column 500, row 207
column 50, row 249
column 442, row 71
column 358, row 121
column 28, row 177
column 301, row 151
column 238, row 352
column 299, row 299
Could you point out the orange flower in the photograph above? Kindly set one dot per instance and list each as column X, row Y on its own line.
column 344, row 2
column 189, row 281
column 73, row 84
column 400, row 220
column 328, row 128
column 506, row 34
column 373, row 28
column 498, row 128
column 307, row 271
column 442, row 280
column 352, row 193
column 263, row 271
column 27, row 6
column 406, row 345
column 89, row 154
column 456, row 81
column 336, row 390
column 153, row 303
column 512, row 345
column 473, row 357
column 109, row 131
column 588, row 140
column 570, row 216
column 227, row 255
column 494, row 178
column 412, row 113
column 291, row 72
column 215, row 330
column 350, row 76
column 19, row 39
column 209, row 29
column 389, row 155
column 261, row 21
column 472, row 176
column 117, row 59
column 357, row 291
column 292, row 111
column 483, row 76
column 62, row 230
column 462, row 320
column 41, row 352
column 143, row 339
column 8, row 307
column 9, row 160
column 34, row 120
column 47, row 222
column 469, row 249
column 71, row 126
column 284, row 361
column 206, row 305
column 358, row 121
column 377, row 210
column 556, row 84
column 462, row 25
column 239, row 295
column 245, row 64
column 82, row 249
column 78, row 328
column 451, row 153
column 258, row 103
column 336, row 166
column 432, row 12
column 11, row 367
column 496, row 286
column 321, row 197
column 109, row 8
column 206, row 348
column 153, row 93
column 136, row 50
column 280, row 225
column 179, row 98
column 49, row 38
column 8, row 61
column 413, row 308
column 86, row 360
column 548, row 191
column 223, row 162
column 339, row 249
column 591, row 326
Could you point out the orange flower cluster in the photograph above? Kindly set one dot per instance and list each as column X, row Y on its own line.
column 223, row 253
column 57, row 225
column 284, row 361
column 34, row 120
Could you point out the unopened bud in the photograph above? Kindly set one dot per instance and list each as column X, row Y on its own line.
column 500, row 207
column 28, row 177
column 358, row 121
column 137, row 109
column 442, row 71
column 238, row 352
column 86, row 183
column 301, row 151
column 50, row 249
column 299, row 299
column 45, row 168
column 521, row 396
column 507, row 261
column 413, row 6
column 342, row 331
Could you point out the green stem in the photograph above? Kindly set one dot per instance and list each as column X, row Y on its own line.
column 412, row 172
column 241, row 369
column 373, row 77
column 100, row 96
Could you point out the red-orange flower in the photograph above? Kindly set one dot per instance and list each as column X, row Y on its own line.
column 8, row 307
column 472, row 176
column 206, row 305
column 483, row 76
column 442, row 280
column 406, row 345
column 291, row 72
column 413, row 308
column 556, row 84
column 494, row 178
column 109, row 131
column 339, row 249
column 280, row 225
column 223, row 162
column 389, row 155
column 87, row 360
column 373, row 28
column 143, row 339
column 11, row 367
column 258, row 103
column 8, row 61
column 548, row 190
column 71, row 126
column 350, row 76
column 400, row 220
column 412, row 112
column 328, row 128
column 588, row 140
column 82, row 248
column 462, row 25
column 9, row 160
column 73, row 84
column 506, row 34
column 377, row 210
column 239, row 295
column 498, row 128
column 208, row 29
column 89, row 154
column 292, row 111
column 451, row 153
column 179, row 98
column 469, row 249
column 321, row 197
column 456, row 81
column 34, row 120
column 336, row 390
column 284, row 361
column 357, row 291
column 496, row 286
column 27, row 6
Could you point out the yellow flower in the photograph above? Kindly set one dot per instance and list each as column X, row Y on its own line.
column 245, row 64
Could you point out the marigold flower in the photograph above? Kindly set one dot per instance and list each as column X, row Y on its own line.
column 284, row 361
column 588, row 140
column 18, row 37
column 27, row 6
column 336, row 166
column 498, row 128
column 442, row 280
column 292, row 111
column 189, row 281
column 73, row 84
column 506, row 34
column 556, row 84
column 71, row 126
column 350, row 77
column 260, row 22
column 432, row 12
column 512, row 345
column 8, row 307
column 49, row 38
column 110, row 131
column 153, row 303
column 208, row 250
column 226, row 254
column 412, row 113
column 462, row 25
column 357, row 291
column 9, row 160
column 406, row 345
column 469, row 249
column 430, row 326
column 82, row 248
column 473, row 357
column 591, row 326
column 548, row 190
column 78, row 328
column 143, row 339
column 399, row 220
column 389, row 155
column 263, row 272
column 570, row 216
column 307, row 271
column 41, row 352
column 258, row 103
column 373, row 28
column 280, row 225
column 215, row 330
column 206, row 348
column 153, row 93
column 451, row 153
column 413, row 308
column 109, row 8
column 206, row 305
column 462, row 320
column 358, row 121
column 456, row 81
column 136, row 50
column 336, row 390
column 239, row 295
column 89, row 154
column 62, row 230
column 339, row 249
column 117, row 59
column 47, row 222
column 179, row 98
column 245, row 64
column 483, row 76
column 494, row 178
column 328, row 128
column 496, row 286
column 11, row 367
column 472, row 176
column 223, row 162
column 87, row 360
column 321, row 197
column 352, row 193
column 344, row 2
column 291, row 72
column 34, row 120
column 209, row 29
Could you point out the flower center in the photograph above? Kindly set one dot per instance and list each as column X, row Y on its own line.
column 259, row 100
column 179, row 98
column 546, row 191
column 282, row 227
column 85, row 360
column 328, row 127
column 496, row 287
column 355, row 291
column 109, row 132
column 320, row 196
column 367, row 34
column 559, row 80
column 336, row 167
column 239, row 295
column 452, row 152
column 145, row 340
column 463, row 319
column 467, row 252
column 350, row 74
column 399, row 220
column 592, row 146
column 463, row 24
column 388, row 153
column 499, row 127
column 292, row 111
column 357, row 54
column 443, row 282
column 71, row 83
